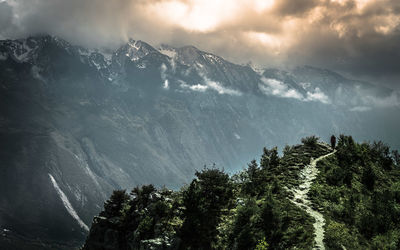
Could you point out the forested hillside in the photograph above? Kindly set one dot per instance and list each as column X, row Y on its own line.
column 355, row 188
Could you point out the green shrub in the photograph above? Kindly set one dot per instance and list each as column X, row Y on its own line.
column 310, row 141
column 262, row 245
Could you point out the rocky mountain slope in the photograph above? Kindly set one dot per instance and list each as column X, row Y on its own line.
column 76, row 123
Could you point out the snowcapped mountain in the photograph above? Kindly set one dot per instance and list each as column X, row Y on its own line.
column 76, row 123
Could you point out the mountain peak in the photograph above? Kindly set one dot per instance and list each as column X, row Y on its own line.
column 135, row 49
column 167, row 50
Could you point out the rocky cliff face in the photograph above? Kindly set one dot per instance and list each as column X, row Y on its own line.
column 77, row 123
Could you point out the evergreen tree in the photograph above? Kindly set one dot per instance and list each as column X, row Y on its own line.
column 113, row 206
column 251, row 183
column 246, row 231
column 270, row 158
column 271, row 220
column 204, row 201
column 310, row 141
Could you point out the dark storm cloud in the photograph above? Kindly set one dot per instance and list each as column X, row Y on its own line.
column 357, row 37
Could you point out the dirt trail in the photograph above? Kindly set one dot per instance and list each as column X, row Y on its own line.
column 300, row 198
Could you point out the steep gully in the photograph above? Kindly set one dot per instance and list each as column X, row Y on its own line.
column 300, row 198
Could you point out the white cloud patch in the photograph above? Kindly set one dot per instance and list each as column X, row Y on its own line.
column 305, row 85
column 163, row 70
column 197, row 87
column 221, row 89
column 280, row 89
column 317, row 95
column 236, row 136
column 166, row 84
column 163, row 74
column 360, row 109
column 210, row 85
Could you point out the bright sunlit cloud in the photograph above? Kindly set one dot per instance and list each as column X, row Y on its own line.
column 195, row 15
column 262, row 5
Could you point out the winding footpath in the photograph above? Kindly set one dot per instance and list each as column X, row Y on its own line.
column 300, row 198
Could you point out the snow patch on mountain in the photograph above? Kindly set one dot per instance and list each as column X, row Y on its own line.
column 199, row 66
column 67, row 204
column 137, row 49
column 258, row 69
column 97, row 65
column 168, row 52
column 21, row 51
column 141, row 66
column 212, row 58
column 85, row 166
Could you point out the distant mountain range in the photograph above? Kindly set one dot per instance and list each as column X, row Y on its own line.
column 76, row 123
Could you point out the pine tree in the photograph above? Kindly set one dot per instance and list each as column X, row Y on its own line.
column 204, row 201
column 113, row 207
column 270, row 158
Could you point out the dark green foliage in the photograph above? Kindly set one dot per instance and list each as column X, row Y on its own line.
column 145, row 220
column 380, row 153
column 357, row 190
column 310, row 141
column 368, row 177
column 274, row 219
column 271, row 220
column 204, row 202
column 255, row 178
column 246, row 233
column 270, row 158
column 149, row 215
column 113, row 207
column 286, row 150
column 347, row 152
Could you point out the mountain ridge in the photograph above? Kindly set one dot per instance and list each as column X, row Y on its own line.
column 98, row 122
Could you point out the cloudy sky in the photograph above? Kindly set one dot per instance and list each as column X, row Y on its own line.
column 360, row 38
